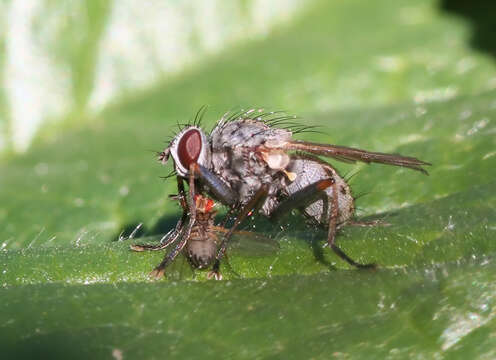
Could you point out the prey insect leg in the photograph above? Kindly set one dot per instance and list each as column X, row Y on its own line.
column 331, row 235
column 158, row 272
column 166, row 240
column 256, row 201
column 173, row 235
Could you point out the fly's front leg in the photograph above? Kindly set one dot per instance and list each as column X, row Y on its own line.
column 219, row 189
column 172, row 235
column 184, row 234
column 331, row 235
column 256, row 201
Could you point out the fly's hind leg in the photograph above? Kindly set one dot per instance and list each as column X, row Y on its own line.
column 331, row 235
column 308, row 195
column 301, row 198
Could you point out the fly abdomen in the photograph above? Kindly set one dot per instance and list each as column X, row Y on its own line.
column 308, row 171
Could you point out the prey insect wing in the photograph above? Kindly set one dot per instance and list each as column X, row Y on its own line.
column 249, row 243
column 349, row 154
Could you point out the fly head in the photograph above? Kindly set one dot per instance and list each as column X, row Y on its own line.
column 188, row 147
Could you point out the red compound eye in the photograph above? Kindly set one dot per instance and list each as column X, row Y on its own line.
column 189, row 147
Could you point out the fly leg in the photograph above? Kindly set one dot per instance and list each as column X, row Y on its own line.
column 256, row 201
column 301, row 198
column 172, row 235
column 218, row 188
column 308, row 195
column 185, row 232
column 331, row 235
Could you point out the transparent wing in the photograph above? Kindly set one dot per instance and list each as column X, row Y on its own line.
column 249, row 243
column 348, row 154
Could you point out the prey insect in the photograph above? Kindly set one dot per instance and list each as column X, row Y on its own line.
column 200, row 246
column 250, row 162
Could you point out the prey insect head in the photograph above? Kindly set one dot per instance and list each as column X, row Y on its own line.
column 203, row 204
column 190, row 146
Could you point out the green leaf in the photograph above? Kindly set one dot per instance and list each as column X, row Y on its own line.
column 383, row 76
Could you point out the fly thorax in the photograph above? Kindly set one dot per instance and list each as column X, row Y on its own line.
column 236, row 155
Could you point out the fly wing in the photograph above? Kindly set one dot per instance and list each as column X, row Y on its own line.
column 249, row 243
column 348, row 154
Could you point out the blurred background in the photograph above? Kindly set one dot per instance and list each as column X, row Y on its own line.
column 70, row 59
column 66, row 60
column 90, row 89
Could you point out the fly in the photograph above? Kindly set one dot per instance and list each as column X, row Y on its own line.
column 250, row 162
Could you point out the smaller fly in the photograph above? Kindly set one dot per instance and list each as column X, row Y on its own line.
column 202, row 243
